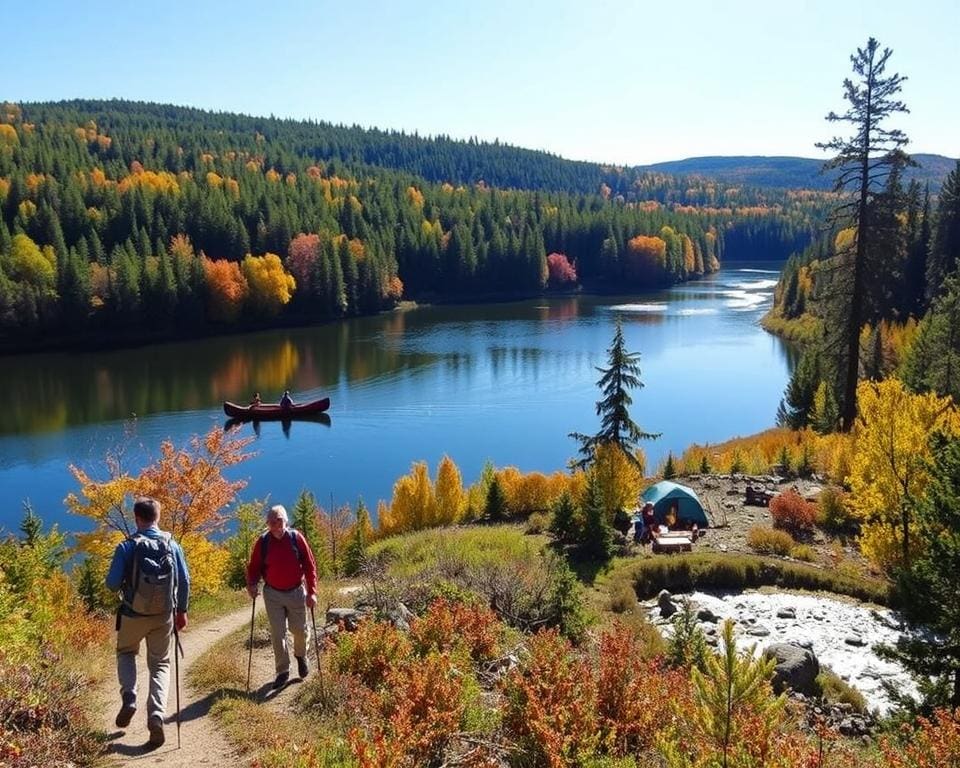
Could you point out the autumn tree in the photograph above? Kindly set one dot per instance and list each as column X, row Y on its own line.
column 864, row 161
column 361, row 535
column 448, row 493
column 932, row 584
column 271, row 286
column 888, row 471
column 616, row 427
column 227, row 290
column 561, row 271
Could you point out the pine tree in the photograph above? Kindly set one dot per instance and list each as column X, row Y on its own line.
column 563, row 521
column 304, row 519
column 731, row 693
column 355, row 554
column 596, row 539
column 945, row 248
column 669, row 469
column 931, row 587
column 495, row 509
column 865, row 161
column 616, row 426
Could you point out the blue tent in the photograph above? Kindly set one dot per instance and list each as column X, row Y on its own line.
column 666, row 494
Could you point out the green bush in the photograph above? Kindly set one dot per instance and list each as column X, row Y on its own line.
column 833, row 514
column 768, row 541
column 832, row 689
column 803, row 552
column 622, row 596
column 685, row 573
column 538, row 522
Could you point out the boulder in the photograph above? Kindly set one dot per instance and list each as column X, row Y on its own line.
column 707, row 616
column 797, row 668
column 786, row 613
column 665, row 601
column 349, row 618
column 400, row 617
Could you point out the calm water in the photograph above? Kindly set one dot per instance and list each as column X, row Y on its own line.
column 504, row 382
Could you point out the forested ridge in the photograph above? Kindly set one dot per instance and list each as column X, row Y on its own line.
column 149, row 220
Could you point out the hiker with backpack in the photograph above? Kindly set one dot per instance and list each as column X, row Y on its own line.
column 149, row 571
column 283, row 559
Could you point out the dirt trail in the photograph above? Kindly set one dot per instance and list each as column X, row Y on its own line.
column 201, row 741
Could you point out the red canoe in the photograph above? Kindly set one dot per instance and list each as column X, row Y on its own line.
column 268, row 411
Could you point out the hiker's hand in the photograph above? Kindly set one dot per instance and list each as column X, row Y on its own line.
column 181, row 620
column 253, row 591
column 311, row 601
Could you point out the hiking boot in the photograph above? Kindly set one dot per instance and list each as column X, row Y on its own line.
column 281, row 680
column 302, row 667
column 155, row 727
column 127, row 709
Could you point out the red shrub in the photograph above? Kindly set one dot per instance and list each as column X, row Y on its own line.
column 551, row 703
column 792, row 513
column 633, row 695
column 932, row 744
column 448, row 624
column 419, row 709
column 370, row 652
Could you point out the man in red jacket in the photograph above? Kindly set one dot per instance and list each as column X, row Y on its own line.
column 283, row 559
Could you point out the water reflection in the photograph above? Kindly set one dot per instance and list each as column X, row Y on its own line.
column 504, row 382
column 313, row 418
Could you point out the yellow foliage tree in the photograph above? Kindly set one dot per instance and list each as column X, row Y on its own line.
column 28, row 263
column 888, row 472
column 208, row 564
column 414, row 503
column 271, row 286
column 449, row 493
column 618, row 478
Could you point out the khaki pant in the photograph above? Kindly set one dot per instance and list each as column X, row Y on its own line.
column 156, row 630
column 283, row 609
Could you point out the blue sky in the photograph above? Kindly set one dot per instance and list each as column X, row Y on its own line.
column 622, row 82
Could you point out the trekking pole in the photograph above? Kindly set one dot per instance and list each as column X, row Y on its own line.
column 253, row 612
column 177, row 652
column 316, row 645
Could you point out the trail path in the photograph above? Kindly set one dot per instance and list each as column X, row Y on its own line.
column 201, row 741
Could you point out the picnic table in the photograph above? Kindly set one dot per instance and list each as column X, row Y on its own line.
column 674, row 541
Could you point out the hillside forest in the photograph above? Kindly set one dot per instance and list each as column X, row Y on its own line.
column 530, row 641
column 129, row 221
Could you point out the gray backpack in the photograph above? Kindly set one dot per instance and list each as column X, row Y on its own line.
column 150, row 587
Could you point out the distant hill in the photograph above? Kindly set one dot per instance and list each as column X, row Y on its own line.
column 789, row 172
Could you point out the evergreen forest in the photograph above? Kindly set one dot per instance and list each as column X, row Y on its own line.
column 127, row 222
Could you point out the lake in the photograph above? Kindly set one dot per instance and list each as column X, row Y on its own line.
column 500, row 382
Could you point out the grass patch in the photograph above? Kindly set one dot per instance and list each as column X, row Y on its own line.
column 206, row 607
column 768, row 541
column 834, row 690
column 280, row 740
column 685, row 573
column 413, row 553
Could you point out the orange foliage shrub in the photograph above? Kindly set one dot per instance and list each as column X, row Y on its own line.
column 934, row 743
column 420, row 708
column 551, row 703
column 632, row 695
column 449, row 624
column 793, row 514
column 370, row 652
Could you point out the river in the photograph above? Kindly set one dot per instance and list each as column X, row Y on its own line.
column 500, row 382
